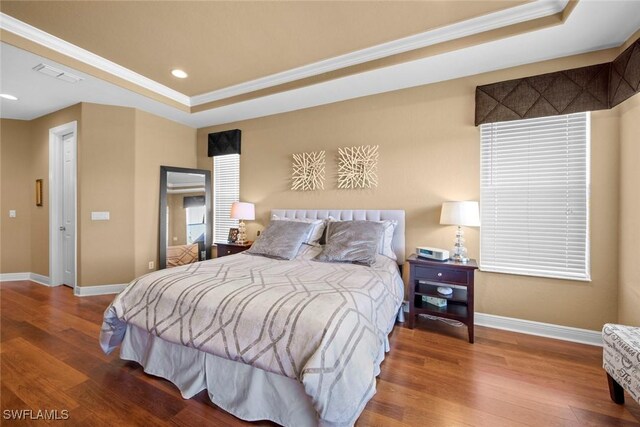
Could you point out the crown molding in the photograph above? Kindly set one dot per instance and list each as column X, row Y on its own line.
column 54, row 43
column 492, row 21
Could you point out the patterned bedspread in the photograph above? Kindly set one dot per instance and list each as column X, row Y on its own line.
column 323, row 324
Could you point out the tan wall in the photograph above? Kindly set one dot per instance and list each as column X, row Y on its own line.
column 428, row 132
column 120, row 151
column 39, row 158
column 120, row 172
column 106, row 183
column 159, row 142
column 16, row 193
column 420, row 130
column 629, row 288
column 580, row 304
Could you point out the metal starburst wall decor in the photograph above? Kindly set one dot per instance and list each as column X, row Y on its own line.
column 308, row 171
column 358, row 167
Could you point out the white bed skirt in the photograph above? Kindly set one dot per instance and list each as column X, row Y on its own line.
column 247, row 392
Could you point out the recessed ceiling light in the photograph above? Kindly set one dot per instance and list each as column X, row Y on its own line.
column 7, row 96
column 179, row 73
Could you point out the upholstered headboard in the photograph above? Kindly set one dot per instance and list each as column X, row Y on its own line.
column 354, row 214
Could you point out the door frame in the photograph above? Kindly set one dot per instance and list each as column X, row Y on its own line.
column 55, row 190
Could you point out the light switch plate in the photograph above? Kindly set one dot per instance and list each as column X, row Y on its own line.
column 99, row 216
column 12, row 213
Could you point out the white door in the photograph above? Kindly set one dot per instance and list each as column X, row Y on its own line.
column 68, row 211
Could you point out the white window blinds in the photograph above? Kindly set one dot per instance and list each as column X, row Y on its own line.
column 226, row 190
column 534, row 196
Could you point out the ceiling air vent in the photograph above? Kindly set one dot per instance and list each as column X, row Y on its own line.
column 58, row 74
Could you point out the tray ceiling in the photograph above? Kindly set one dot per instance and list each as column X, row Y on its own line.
column 546, row 29
column 220, row 44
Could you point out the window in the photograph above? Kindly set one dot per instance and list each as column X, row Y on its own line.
column 196, row 227
column 534, row 195
column 226, row 190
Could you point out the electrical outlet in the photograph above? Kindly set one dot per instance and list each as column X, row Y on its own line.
column 152, row 265
column 12, row 213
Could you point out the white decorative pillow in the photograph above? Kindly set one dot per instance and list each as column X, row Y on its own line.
column 385, row 245
column 315, row 234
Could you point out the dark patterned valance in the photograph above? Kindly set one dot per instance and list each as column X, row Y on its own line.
column 193, row 201
column 596, row 87
column 625, row 75
column 222, row 143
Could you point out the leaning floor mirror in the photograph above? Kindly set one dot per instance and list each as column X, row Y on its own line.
column 185, row 216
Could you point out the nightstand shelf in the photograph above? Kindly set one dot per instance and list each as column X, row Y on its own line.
column 451, row 311
column 424, row 279
column 430, row 290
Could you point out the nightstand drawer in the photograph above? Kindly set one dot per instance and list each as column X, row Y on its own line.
column 224, row 249
column 441, row 275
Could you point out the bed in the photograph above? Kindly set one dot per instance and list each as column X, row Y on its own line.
column 296, row 342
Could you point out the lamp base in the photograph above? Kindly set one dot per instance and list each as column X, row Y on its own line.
column 242, row 233
column 459, row 258
column 459, row 252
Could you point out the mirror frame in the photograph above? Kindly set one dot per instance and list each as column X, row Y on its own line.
column 164, row 170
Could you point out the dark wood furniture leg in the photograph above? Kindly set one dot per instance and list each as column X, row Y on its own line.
column 412, row 296
column 471, row 307
column 411, row 320
column 615, row 391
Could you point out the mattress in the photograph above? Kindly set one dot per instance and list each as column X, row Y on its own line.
column 322, row 325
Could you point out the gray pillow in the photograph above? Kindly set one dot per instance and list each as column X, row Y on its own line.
column 281, row 239
column 316, row 232
column 352, row 241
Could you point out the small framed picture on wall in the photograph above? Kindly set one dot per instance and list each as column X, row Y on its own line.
column 233, row 235
column 38, row 192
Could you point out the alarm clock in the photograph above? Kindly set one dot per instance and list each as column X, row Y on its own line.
column 435, row 254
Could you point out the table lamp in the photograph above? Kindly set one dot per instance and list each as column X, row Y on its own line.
column 242, row 211
column 460, row 213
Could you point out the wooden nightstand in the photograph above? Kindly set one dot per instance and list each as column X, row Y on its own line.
column 225, row 249
column 424, row 278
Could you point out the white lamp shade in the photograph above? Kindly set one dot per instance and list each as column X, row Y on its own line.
column 460, row 213
column 243, row 210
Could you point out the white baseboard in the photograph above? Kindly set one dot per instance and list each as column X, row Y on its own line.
column 86, row 291
column 12, row 277
column 548, row 330
column 529, row 327
column 37, row 278
column 81, row 291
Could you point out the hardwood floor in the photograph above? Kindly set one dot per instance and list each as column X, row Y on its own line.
column 50, row 359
